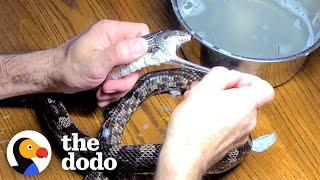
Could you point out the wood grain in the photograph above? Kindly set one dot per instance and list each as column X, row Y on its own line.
column 29, row 25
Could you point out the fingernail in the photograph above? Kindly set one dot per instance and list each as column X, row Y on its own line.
column 109, row 91
column 138, row 46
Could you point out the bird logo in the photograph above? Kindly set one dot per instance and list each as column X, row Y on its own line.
column 29, row 152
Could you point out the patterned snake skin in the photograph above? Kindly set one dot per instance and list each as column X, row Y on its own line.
column 131, row 159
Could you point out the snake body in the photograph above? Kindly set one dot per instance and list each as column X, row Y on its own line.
column 133, row 158
column 130, row 158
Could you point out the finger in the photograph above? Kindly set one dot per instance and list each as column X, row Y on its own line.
column 103, row 103
column 220, row 78
column 104, row 99
column 193, row 84
column 127, row 30
column 242, row 140
column 248, row 98
column 186, row 94
column 121, row 85
column 118, row 96
column 252, row 120
column 126, row 51
column 119, row 30
column 248, row 80
column 264, row 92
column 106, row 32
column 99, row 96
column 111, row 96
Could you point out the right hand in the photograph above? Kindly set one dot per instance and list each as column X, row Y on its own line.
column 216, row 116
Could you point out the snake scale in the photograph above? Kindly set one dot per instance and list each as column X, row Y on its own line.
column 131, row 159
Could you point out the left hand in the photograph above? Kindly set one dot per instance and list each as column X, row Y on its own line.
column 90, row 56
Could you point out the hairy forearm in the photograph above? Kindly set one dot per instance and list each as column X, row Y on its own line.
column 36, row 72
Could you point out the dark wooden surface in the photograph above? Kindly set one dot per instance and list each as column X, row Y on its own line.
column 29, row 25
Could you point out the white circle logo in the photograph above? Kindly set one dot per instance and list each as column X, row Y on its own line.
column 29, row 152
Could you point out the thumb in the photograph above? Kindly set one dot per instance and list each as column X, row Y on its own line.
column 220, row 78
column 126, row 51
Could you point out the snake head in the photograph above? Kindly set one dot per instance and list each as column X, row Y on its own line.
column 172, row 40
column 167, row 41
column 162, row 49
column 174, row 37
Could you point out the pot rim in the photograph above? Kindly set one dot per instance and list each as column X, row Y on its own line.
column 205, row 43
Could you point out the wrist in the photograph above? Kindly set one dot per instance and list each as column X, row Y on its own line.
column 72, row 72
column 180, row 162
column 54, row 66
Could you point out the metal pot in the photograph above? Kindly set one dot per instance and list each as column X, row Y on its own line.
column 277, row 71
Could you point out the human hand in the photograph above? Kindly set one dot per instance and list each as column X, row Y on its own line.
column 90, row 56
column 216, row 116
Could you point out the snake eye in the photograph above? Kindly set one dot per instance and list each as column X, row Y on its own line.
column 29, row 147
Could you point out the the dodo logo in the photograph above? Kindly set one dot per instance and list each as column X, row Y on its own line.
column 29, row 152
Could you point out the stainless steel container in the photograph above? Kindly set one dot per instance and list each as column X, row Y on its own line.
column 277, row 71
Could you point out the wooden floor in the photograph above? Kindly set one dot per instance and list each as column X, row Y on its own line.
column 29, row 25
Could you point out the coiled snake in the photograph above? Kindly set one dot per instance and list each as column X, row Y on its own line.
column 130, row 158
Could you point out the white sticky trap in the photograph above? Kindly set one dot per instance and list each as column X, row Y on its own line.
column 262, row 143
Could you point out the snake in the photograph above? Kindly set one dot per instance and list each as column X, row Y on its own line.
column 131, row 159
